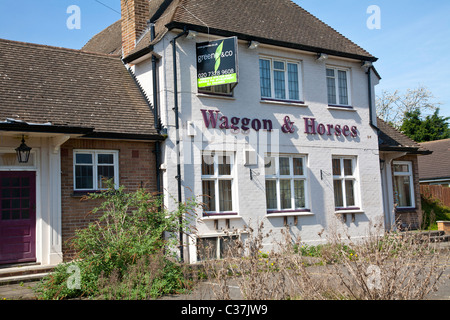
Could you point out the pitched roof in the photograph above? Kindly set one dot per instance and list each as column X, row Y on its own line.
column 108, row 41
column 69, row 88
column 436, row 165
column 277, row 22
column 390, row 139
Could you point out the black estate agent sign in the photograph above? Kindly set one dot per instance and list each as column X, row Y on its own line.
column 217, row 62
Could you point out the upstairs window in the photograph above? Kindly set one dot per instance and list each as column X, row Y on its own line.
column 280, row 79
column 221, row 90
column 338, row 87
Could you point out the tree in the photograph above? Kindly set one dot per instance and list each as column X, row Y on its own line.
column 392, row 107
column 421, row 129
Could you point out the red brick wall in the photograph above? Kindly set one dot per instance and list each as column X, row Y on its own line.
column 135, row 14
column 136, row 168
column 411, row 218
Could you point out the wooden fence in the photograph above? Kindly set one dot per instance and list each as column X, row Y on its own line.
column 436, row 192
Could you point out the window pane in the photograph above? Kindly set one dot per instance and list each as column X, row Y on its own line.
column 285, row 193
column 299, row 190
column 271, row 194
column 336, row 167
column 330, row 73
column 104, row 173
column 278, row 65
column 225, row 196
column 348, row 167
column 343, row 94
column 224, row 165
column 331, row 87
column 208, row 164
column 284, row 167
column 349, row 193
column 279, row 85
column 206, row 248
column 338, row 196
column 264, row 74
column 270, row 166
column 105, row 159
column 82, row 158
column 209, row 199
column 298, row 166
column 401, row 168
column 402, row 191
column 294, row 92
column 228, row 246
column 84, row 177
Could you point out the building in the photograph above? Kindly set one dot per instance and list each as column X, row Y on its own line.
column 281, row 129
column 435, row 169
column 294, row 143
column 78, row 112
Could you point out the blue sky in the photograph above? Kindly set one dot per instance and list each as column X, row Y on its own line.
column 413, row 43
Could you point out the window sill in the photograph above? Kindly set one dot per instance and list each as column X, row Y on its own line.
column 80, row 194
column 215, row 96
column 216, row 216
column 348, row 210
column 289, row 213
column 284, row 102
column 341, row 108
column 405, row 209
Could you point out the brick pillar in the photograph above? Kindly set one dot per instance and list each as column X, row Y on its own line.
column 135, row 14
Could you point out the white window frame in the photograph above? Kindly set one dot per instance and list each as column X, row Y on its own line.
column 216, row 177
column 343, row 177
column 409, row 174
column 286, row 79
column 95, row 164
column 336, row 85
column 277, row 177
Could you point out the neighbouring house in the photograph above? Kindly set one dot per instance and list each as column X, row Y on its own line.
column 399, row 158
column 435, row 169
column 85, row 119
column 256, row 108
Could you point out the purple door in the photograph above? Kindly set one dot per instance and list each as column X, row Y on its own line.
column 17, row 217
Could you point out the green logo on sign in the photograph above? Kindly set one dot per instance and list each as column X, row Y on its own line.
column 217, row 56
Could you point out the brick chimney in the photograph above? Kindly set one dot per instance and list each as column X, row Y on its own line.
column 135, row 14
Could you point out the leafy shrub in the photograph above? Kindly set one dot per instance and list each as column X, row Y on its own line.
column 132, row 225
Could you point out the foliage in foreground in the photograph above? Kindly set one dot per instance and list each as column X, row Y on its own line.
column 382, row 266
column 128, row 236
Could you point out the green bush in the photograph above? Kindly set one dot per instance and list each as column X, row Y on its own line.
column 433, row 211
column 131, row 226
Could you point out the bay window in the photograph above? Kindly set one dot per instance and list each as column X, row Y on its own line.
column 280, row 79
column 286, row 183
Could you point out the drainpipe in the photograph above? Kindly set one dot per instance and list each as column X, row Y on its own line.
column 177, row 128
column 156, row 113
column 369, row 78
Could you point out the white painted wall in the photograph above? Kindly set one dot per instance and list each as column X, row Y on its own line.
column 249, row 195
column 48, row 190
